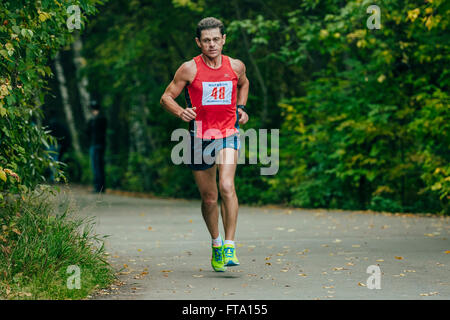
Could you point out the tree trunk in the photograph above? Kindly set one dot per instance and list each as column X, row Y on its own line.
column 66, row 105
column 82, row 82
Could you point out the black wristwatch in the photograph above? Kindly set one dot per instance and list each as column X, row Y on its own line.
column 241, row 106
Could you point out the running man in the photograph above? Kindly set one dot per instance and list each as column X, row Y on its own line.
column 216, row 91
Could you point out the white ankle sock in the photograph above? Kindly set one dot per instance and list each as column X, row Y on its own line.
column 229, row 242
column 217, row 242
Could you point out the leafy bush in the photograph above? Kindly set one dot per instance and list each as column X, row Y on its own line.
column 40, row 239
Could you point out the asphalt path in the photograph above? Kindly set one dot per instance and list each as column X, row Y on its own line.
column 160, row 249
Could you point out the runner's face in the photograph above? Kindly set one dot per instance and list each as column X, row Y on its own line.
column 211, row 42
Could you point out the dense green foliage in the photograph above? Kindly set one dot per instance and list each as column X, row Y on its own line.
column 31, row 32
column 38, row 239
column 373, row 124
column 364, row 114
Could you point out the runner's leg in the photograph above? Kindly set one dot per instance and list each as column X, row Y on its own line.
column 206, row 183
column 227, row 161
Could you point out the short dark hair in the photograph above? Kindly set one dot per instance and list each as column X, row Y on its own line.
column 209, row 23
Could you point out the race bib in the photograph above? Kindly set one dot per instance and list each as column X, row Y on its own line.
column 217, row 93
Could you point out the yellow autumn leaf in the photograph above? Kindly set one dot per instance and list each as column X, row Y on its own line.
column 43, row 16
column 323, row 33
column 398, row 258
column 413, row 14
column 2, row 175
column 381, row 78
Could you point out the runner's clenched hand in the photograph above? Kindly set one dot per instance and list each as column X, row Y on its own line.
column 188, row 114
column 243, row 116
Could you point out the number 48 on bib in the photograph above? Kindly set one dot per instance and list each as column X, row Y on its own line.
column 217, row 93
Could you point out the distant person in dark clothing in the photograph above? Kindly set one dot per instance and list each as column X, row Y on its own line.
column 62, row 135
column 96, row 131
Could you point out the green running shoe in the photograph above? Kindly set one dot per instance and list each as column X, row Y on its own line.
column 218, row 259
column 230, row 255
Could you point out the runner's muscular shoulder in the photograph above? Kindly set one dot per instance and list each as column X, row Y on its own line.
column 186, row 72
column 239, row 68
column 183, row 76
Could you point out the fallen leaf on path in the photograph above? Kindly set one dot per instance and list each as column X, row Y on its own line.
column 302, row 274
column 197, row 275
column 429, row 294
column 149, row 228
column 380, row 260
column 328, row 287
column 291, row 230
column 361, row 284
column 398, row 258
column 356, row 245
column 447, row 252
column 337, row 241
column 279, row 228
column 166, row 270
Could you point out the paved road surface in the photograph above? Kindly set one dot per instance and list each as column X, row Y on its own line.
column 284, row 253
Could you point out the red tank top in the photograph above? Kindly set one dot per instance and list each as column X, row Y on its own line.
column 213, row 93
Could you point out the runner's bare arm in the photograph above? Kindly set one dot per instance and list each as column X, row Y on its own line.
column 184, row 75
column 243, row 87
